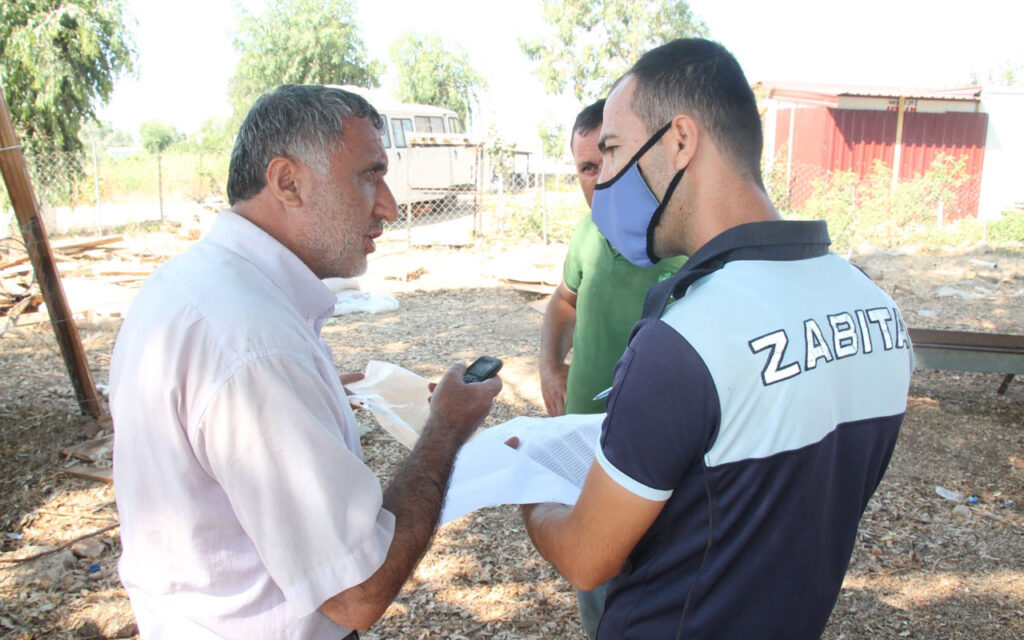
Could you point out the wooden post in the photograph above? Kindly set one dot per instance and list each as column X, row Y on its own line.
column 26, row 208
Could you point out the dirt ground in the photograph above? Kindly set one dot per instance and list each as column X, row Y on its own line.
column 924, row 566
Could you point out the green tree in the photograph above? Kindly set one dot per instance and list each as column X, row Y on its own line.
column 214, row 136
column 428, row 73
column 58, row 59
column 593, row 42
column 104, row 135
column 1008, row 73
column 156, row 137
column 301, row 42
column 554, row 139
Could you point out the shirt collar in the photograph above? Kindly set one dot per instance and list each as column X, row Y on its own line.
column 296, row 281
column 767, row 240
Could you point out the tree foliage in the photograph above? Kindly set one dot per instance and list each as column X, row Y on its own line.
column 301, row 42
column 214, row 136
column 593, row 42
column 58, row 59
column 1007, row 73
column 103, row 135
column 428, row 73
column 554, row 138
column 157, row 136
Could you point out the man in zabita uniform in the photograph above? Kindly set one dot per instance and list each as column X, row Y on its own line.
column 757, row 405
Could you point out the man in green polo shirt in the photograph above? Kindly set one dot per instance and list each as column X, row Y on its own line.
column 592, row 311
column 598, row 301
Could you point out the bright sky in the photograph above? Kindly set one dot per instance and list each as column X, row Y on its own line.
column 186, row 55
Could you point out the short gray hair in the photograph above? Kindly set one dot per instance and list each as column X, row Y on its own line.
column 295, row 121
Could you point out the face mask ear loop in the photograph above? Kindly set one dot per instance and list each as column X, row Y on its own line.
column 657, row 215
column 636, row 156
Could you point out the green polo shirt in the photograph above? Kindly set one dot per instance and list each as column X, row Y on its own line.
column 610, row 294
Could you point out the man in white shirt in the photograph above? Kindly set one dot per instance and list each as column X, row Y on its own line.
column 246, row 510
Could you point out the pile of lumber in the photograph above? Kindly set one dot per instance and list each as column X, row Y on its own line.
column 93, row 268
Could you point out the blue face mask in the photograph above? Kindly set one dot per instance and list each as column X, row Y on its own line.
column 627, row 212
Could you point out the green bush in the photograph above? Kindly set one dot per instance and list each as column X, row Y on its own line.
column 1008, row 229
column 521, row 216
column 873, row 210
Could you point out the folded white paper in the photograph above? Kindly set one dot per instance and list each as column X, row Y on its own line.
column 550, row 465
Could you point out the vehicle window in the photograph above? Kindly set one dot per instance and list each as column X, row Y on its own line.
column 398, row 127
column 385, row 134
column 430, row 124
column 455, row 125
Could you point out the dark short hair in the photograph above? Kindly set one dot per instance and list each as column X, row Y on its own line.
column 701, row 77
column 589, row 119
column 296, row 121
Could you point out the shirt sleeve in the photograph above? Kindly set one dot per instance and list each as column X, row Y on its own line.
column 663, row 413
column 572, row 271
column 272, row 437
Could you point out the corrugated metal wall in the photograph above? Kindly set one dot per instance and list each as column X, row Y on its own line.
column 926, row 135
column 826, row 139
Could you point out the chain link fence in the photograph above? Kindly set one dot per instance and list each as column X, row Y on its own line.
column 104, row 189
column 447, row 194
column 456, row 194
column 453, row 195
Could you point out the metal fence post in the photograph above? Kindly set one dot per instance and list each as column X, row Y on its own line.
column 543, row 194
column 96, row 189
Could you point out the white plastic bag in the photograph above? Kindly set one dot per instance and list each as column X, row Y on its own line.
column 349, row 299
column 398, row 398
column 354, row 301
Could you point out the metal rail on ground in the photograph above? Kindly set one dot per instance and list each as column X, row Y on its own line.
column 969, row 351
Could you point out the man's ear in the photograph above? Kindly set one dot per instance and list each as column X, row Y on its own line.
column 283, row 181
column 683, row 137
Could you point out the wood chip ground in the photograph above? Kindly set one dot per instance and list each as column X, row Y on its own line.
column 923, row 567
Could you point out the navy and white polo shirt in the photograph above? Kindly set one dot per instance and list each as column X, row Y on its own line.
column 763, row 407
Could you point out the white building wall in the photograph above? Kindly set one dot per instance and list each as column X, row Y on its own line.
column 1002, row 181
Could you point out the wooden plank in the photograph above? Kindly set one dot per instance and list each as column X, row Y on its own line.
column 22, row 269
column 76, row 245
column 26, row 208
column 6, row 266
column 540, row 306
column 93, row 450
column 96, row 474
column 62, row 248
column 530, row 287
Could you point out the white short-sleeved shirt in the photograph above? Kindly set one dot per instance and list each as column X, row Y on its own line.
column 243, row 497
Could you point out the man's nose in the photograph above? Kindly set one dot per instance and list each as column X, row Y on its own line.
column 385, row 207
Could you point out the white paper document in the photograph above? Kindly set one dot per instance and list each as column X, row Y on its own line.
column 550, row 464
column 398, row 398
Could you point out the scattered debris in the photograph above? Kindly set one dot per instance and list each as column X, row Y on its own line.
column 21, row 557
column 95, row 450
column 918, row 570
column 96, row 474
column 540, row 306
column 88, row 548
column 984, row 263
